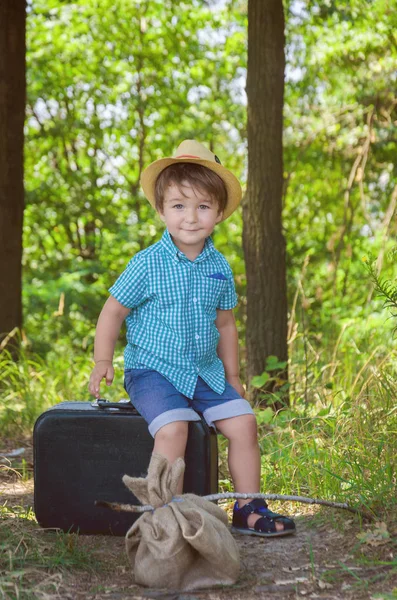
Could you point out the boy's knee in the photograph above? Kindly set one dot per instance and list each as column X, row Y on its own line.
column 243, row 427
column 249, row 427
column 178, row 430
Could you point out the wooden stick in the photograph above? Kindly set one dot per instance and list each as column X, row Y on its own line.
column 303, row 499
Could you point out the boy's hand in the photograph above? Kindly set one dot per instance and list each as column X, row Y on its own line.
column 238, row 386
column 102, row 370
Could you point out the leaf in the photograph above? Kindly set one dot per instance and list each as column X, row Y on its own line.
column 272, row 363
column 324, row 412
column 378, row 536
column 265, row 416
column 259, row 380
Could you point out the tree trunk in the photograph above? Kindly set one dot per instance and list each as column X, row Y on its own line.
column 263, row 241
column 12, row 115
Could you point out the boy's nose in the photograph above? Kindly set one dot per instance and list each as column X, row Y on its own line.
column 191, row 216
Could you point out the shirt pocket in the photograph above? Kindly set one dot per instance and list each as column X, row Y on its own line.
column 211, row 292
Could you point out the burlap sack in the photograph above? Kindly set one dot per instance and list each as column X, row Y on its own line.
column 184, row 543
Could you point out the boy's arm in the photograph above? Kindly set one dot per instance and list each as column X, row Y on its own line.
column 107, row 332
column 228, row 347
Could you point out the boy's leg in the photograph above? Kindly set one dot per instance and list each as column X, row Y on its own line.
column 166, row 411
column 234, row 418
column 170, row 441
column 244, row 458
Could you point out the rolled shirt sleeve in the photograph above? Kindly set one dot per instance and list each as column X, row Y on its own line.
column 130, row 289
column 229, row 298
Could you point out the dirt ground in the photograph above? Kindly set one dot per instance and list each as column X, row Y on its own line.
column 333, row 556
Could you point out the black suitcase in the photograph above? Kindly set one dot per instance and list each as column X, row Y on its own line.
column 81, row 452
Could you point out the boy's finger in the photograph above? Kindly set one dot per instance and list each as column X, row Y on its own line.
column 94, row 387
column 94, row 390
column 109, row 376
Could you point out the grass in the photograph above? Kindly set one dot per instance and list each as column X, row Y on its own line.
column 345, row 453
column 33, row 562
column 372, row 572
column 337, row 439
column 33, row 384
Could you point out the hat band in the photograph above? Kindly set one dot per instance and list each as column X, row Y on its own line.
column 188, row 156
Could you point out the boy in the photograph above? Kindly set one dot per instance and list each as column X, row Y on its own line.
column 177, row 298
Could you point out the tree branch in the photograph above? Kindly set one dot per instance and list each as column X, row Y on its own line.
column 146, row 508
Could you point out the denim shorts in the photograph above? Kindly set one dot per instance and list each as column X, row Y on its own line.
column 160, row 403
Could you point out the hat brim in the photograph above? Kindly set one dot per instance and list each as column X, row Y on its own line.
column 233, row 187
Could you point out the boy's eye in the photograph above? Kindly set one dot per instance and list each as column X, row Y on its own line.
column 178, row 206
column 204, row 206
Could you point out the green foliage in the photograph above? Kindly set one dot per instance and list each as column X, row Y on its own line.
column 31, row 384
column 345, row 452
column 272, row 364
column 111, row 87
column 124, row 82
column 337, row 439
column 385, row 288
column 273, row 378
column 340, row 148
column 117, row 84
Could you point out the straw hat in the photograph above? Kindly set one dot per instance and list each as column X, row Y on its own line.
column 190, row 151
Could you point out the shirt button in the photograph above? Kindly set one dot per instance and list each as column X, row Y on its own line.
column 195, row 300
column 197, row 337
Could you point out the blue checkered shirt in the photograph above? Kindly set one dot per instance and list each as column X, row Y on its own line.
column 173, row 301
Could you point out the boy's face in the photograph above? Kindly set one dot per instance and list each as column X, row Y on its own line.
column 190, row 216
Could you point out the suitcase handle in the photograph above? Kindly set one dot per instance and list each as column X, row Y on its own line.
column 102, row 403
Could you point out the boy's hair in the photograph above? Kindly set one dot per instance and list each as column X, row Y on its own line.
column 198, row 176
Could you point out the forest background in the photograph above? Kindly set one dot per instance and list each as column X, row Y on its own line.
column 113, row 85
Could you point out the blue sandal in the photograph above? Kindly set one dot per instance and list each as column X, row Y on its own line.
column 265, row 526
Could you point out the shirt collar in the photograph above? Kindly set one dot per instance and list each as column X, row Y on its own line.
column 174, row 251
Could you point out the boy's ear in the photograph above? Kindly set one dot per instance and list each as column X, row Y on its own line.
column 219, row 217
column 161, row 215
